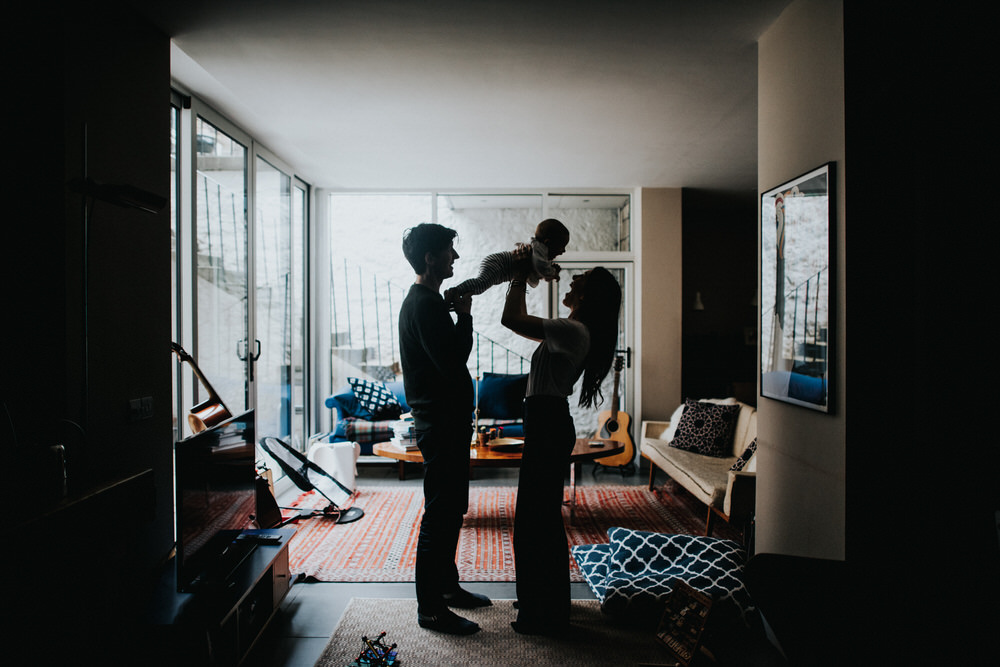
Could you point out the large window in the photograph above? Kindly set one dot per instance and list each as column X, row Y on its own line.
column 369, row 276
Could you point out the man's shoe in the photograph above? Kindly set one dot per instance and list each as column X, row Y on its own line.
column 463, row 599
column 448, row 622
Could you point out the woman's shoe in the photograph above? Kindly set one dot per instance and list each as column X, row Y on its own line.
column 544, row 629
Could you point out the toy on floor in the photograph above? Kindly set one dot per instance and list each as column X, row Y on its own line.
column 376, row 654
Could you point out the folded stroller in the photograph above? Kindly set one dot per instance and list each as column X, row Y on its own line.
column 308, row 476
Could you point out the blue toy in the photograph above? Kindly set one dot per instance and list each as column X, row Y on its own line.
column 376, row 654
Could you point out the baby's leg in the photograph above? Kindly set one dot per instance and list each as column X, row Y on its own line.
column 494, row 270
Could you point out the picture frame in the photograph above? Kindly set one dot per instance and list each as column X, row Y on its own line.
column 796, row 289
column 683, row 622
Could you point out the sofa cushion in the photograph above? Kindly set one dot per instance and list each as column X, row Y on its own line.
column 502, row 396
column 375, row 398
column 704, row 476
column 643, row 566
column 745, row 457
column 706, row 428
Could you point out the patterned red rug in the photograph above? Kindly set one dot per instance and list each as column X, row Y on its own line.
column 381, row 546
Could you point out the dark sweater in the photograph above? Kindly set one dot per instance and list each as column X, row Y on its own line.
column 434, row 351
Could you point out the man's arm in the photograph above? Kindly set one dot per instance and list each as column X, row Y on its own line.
column 447, row 343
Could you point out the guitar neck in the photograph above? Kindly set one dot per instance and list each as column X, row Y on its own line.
column 614, row 396
column 213, row 396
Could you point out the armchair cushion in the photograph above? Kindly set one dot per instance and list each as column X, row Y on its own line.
column 706, row 428
column 704, row 476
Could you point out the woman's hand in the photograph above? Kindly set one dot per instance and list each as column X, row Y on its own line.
column 522, row 262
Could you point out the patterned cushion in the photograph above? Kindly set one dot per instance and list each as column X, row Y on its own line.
column 376, row 398
column 745, row 456
column 365, row 432
column 643, row 566
column 592, row 559
column 706, row 428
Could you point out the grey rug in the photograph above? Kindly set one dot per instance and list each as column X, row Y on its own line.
column 594, row 640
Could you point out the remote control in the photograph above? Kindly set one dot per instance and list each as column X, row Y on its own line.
column 259, row 539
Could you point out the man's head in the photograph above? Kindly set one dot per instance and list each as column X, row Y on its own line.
column 554, row 235
column 429, row 242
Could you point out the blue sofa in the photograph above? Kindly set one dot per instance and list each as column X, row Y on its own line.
column 499, row 395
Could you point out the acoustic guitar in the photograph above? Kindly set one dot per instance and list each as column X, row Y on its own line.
column 613, row 424
column 212, row 410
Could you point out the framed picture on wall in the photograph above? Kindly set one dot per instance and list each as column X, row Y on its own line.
column 796, row 289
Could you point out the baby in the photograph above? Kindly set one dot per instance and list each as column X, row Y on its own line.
column 549, row 241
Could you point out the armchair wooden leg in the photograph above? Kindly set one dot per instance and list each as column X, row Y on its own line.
column 652, row 475
column 708, row 522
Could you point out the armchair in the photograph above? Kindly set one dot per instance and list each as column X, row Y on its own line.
column 708, row 448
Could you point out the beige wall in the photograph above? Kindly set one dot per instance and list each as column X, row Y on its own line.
column 659, row 312
column 801, row 483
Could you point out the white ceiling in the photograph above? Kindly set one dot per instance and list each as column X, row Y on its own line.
column 444, row 94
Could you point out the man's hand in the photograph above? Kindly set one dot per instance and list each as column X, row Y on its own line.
column 462, row 303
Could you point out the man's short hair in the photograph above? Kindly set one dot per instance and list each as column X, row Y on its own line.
column 422, row 239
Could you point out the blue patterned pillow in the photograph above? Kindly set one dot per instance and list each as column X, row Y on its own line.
column 643, row 566
column 376, row 398
column 706, row 428
column 592, row 559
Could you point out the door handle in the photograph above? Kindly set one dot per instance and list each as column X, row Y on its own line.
column 242, row 352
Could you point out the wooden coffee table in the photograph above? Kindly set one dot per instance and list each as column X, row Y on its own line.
column 585, row 449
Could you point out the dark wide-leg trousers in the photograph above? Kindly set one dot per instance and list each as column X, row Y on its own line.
column 541, row 549
column 445, row 449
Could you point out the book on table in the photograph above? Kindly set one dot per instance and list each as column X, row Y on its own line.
column 403, row 436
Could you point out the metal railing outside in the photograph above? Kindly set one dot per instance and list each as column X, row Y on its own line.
column 365, row 313
column 806, row 346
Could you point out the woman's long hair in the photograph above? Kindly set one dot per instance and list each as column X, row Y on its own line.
column 598, row 310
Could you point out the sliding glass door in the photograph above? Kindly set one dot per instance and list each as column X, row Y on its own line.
column 239, row 240
column 279, row 299
column 221, row 269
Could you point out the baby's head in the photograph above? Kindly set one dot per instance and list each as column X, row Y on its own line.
column 554, row 235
